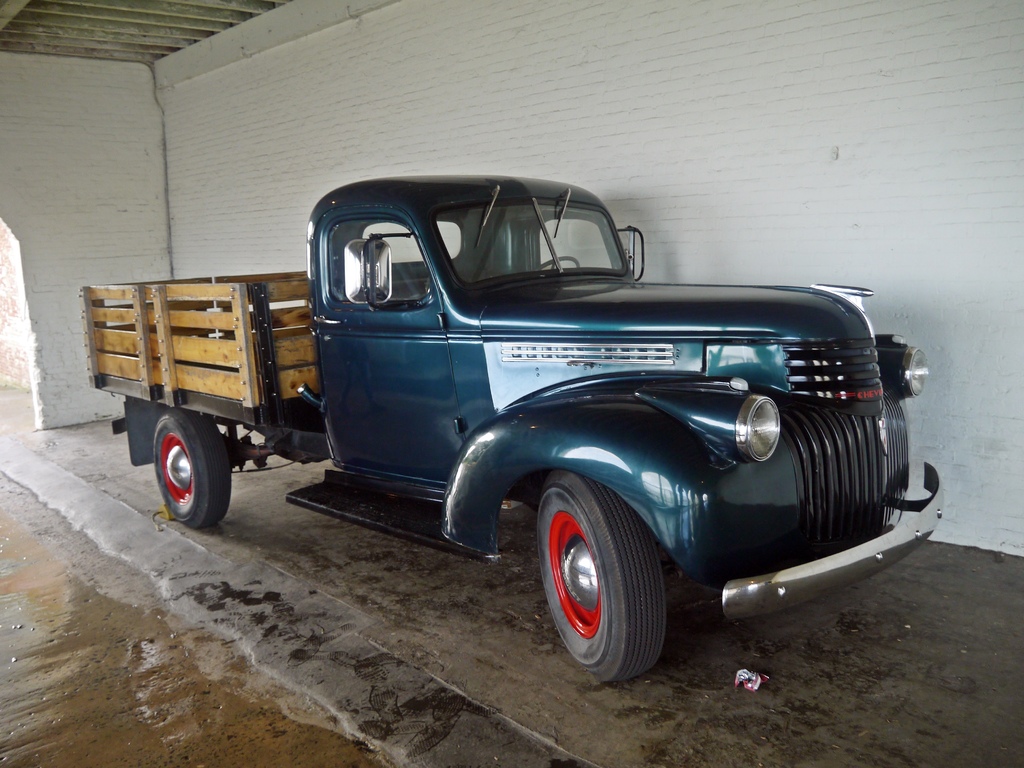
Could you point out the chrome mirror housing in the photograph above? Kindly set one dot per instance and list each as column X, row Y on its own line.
column 368, row 271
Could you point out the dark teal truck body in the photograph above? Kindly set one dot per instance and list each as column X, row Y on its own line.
column 481, row 340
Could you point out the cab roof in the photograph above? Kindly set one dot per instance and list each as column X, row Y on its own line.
column 419, row 195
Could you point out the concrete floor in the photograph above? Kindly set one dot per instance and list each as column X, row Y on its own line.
column 97, row 680
column 921, row 665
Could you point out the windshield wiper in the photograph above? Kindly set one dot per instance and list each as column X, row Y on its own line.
column 565, row 206
column 547, row 237
column 487, row 214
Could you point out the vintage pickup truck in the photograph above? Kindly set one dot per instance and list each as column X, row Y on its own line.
column 470, row 341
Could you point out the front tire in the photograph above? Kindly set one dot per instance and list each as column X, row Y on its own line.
column 192, row 468
column 602, row 578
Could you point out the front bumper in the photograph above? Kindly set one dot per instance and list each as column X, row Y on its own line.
column 774, row 591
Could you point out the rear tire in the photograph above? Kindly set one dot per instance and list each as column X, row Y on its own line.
column 192, row 468
column 602, row 578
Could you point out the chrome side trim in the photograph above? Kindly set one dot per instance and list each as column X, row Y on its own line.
column 581, row 354
column 774, row 591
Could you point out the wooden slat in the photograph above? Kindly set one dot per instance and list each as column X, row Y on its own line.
column 295, row 351
column 291, row 316
column 211, row 382
column 120, row 292
column 117, row 315
column 289, row 381
column 186, row 281
column 223, row 321
column 195, row 291
column 287, row 333
column 118, row 342
column 223, row 352
column 201, row 333
column 198, row 305
column 117, row 365
column 290, row 290
column 263, row 277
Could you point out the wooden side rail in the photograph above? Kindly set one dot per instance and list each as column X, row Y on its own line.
column 117, row 337
column 163, row 341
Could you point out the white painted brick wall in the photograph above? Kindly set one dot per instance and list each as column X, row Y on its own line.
column 868, row 143
column 82, row 188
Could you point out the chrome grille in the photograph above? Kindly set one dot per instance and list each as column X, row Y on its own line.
column 850, row 480
column 843, row 370
column 580, row 354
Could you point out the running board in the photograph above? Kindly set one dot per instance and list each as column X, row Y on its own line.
column 414, row 520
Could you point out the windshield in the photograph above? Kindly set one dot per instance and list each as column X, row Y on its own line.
column 512, row 243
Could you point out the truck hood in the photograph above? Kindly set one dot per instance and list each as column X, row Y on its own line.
column 677, row 311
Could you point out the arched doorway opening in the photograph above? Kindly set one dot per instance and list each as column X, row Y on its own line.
column 15, row 334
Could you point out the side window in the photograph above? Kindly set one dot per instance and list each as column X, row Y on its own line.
column 410, row 280
column 451, row 235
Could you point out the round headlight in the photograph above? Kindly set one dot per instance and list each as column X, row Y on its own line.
column 757, row 428
column 915, row 371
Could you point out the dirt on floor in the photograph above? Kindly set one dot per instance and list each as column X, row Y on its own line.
column 86, row 680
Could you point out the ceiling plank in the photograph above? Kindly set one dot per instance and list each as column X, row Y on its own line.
column 24, row 31
column 49, row 12
column 185, row 8
column 249, row 6
column 83, row 53
column 166, row 7
column 82, row 23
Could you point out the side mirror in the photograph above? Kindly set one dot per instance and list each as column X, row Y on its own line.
column 633, row 242
column 368, row 271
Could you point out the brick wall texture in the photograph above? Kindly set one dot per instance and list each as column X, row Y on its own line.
column 82, row 189
column 14, row 344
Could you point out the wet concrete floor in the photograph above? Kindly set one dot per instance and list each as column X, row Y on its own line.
column 920, row 665
column 87, row 680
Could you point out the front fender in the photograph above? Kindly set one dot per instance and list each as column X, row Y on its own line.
column 698, row 507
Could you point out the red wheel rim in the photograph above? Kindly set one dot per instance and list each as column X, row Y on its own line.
column 563, row 530
column 172, row 449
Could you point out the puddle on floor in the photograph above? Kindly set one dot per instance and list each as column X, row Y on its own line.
column 88, row 681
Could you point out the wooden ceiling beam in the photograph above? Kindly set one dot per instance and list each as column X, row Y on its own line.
column 55, row 12
column 46, row 20
column 84, row 51
column 164, row 8
column 9, row 9
column 47, row 33
column 188, row 7
column 247, row 6
column 136, row 30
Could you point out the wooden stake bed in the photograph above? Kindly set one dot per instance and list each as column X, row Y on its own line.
column 235, row 346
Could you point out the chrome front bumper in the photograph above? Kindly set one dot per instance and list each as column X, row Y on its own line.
column 775, row 591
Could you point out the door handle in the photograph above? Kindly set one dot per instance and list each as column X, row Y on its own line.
column 321, row 320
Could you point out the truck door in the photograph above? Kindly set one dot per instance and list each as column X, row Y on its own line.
column 387, row 381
